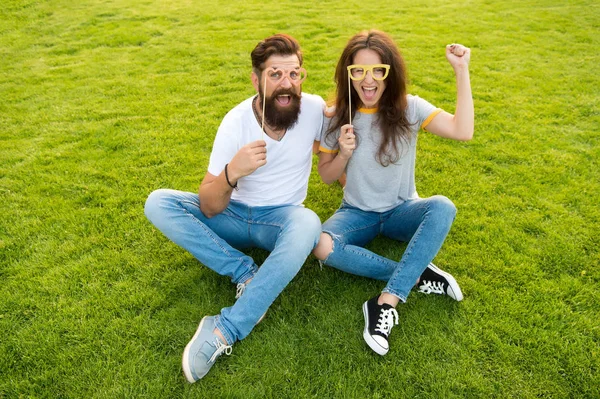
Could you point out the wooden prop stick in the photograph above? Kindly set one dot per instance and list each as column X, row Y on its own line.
column 264, row 101
column 349, row 99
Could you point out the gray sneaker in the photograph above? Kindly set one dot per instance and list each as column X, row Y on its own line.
column 203, row 350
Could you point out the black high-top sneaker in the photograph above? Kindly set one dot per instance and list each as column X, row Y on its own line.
column 379, row 320
column 436, row 281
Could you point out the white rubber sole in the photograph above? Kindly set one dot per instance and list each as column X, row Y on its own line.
column 185, row 365
column 380, row 350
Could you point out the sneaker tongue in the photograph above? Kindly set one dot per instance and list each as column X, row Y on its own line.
column 386, row 319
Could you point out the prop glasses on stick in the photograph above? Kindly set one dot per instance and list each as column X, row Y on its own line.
column 276, row 75
column 359, row 72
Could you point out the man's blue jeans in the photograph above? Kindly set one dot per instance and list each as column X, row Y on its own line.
column 288, row 232
column 424, row 223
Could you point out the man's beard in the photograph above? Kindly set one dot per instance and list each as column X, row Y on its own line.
column 280, row 118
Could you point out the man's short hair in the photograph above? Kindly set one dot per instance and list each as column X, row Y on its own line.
column 279, row 44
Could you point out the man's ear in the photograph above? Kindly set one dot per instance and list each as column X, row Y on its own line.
column 255, row 80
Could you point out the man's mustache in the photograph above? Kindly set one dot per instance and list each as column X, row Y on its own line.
column 289, row 92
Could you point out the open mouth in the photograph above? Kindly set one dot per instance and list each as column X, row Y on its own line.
column 369, row 92
column 284, row 99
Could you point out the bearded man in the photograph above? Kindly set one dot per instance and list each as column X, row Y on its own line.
column 251, row 196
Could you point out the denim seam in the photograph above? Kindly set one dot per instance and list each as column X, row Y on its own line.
column 230, row 214
column 265, row 224
column 350, row 230
column 335, row 237
column 407, row 252
column 280, row 226
column 360, row 253
column 247, row 276
column 211, row 234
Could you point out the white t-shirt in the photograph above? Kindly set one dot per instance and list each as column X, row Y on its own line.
column 284, row 178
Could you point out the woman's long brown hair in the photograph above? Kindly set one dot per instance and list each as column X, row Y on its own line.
column 392, row 105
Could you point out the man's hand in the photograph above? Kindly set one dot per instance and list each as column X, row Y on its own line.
column 347, row 142
column 458, row 55
column 249, row 158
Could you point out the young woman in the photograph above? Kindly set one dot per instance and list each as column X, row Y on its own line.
column 371, row 135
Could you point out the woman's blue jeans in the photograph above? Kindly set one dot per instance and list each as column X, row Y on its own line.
column 424, row 223
column 289, row 232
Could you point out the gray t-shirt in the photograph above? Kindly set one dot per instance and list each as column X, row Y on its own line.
column 369, row 185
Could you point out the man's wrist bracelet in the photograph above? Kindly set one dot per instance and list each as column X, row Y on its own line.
column 227, row 178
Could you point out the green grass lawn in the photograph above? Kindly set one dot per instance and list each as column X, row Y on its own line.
column 101, row 102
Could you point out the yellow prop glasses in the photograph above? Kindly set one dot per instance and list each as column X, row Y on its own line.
column 359, row 72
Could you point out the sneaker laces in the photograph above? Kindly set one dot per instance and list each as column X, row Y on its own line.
column 435, row 287
column 221, row 347
column 239, row 290
column 388, row 318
